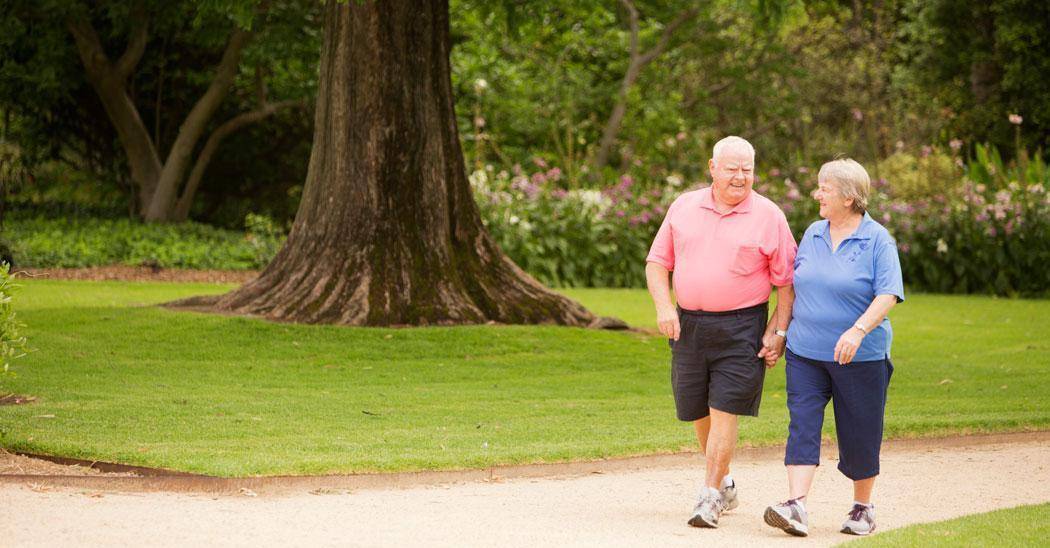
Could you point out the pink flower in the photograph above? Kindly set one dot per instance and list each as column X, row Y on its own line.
column 904, row 248
column 857, row 114
column 625, row 182
column 554, row 174
column 540, row 163
column 559, row 193
column 793, row 194
column 1008, row 228
column 926, row 150
column 803, row 169
column 680, row 136
column 885, row 218
column 774, row 172
column 1015, row 119
column 956, row 144
column 539, row 178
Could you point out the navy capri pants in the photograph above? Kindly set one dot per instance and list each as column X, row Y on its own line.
column 858, row 393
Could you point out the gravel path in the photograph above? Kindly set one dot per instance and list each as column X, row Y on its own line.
column 640, row 507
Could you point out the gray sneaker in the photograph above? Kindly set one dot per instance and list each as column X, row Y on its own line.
column 707, row 511
column 788, row 516
column 729, row 497
column 861, row 520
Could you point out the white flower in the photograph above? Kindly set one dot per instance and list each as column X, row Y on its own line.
column 674, row 179
column 478, row 179
column 480, row 85
column 591, row 198
column 1015, row 119
column 514, row 219
column 942, row 246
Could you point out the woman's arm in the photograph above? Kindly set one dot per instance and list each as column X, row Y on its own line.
column 849, row 342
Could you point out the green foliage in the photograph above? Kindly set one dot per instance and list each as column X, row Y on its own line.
column 13, row 343
column 919, row 177
column 71, row 243
column 978, row 61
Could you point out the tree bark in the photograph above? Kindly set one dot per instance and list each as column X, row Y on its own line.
column 110, row 83
column 182, row 207
column 638, row 61
column 387, row 232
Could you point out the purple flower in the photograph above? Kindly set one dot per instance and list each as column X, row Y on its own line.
column 621, row 213
column 793, row 194
column 625, row 182
column 1008, row 228
column 774, row 172
column 858, row 115
column 803, row 169
column 538, row 178
column 885, row 218
column 904, row 248
column 981, row 217
column 559, row 194
column 554, row 174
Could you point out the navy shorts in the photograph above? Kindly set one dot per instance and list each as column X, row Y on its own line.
column 858, row 393
column 715, row 363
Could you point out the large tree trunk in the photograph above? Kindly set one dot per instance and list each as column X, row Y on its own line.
column 387, row 232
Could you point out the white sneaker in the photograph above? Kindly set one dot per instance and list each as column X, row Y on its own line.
column 788, row 516
column 861, row 520
column 707, row 510
column 729, row 496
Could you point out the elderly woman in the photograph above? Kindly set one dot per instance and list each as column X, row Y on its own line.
column 847, row 278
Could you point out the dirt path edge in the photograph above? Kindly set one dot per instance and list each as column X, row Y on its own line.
column 154, row 480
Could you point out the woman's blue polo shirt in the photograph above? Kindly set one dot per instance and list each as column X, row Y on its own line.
column 833, row 289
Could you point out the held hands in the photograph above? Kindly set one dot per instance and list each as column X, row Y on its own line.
column 847, row 346
column 772, row 349
column 667, row 321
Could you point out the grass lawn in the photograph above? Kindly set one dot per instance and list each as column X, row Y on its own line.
column 1020, row 526
column 118, row 380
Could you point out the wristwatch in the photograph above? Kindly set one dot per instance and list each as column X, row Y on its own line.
column 781, row 332
column 861, row 327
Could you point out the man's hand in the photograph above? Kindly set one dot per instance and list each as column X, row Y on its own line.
column 847, row 346
column 667, row 320
column 772, row 349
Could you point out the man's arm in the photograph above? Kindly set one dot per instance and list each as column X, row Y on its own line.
column 656, row 278
column 773, row 344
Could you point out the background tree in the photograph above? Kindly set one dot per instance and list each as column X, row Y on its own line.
column 387, row 231
column 193, row 65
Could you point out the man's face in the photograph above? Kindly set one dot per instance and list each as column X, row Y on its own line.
column 732, row 174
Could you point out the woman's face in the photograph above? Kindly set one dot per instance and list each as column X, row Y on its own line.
column 832, row 204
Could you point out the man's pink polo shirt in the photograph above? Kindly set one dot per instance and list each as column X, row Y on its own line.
column 724, row 261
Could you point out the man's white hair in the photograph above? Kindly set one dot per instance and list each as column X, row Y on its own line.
column 733, row 142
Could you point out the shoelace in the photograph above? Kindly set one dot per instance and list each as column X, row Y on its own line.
column 857, row 512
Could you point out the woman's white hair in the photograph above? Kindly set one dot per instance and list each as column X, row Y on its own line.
column 732, row 142
column 851, row 180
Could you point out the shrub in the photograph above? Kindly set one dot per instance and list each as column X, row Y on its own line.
column 13, row 343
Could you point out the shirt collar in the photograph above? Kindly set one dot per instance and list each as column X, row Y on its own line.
column 707, row 201
column 864, row 230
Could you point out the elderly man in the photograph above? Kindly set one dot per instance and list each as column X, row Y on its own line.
column 727, row 245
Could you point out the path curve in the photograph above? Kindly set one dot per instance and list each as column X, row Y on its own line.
column 644, row 506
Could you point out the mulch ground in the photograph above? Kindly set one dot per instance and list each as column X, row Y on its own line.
column 140, row 274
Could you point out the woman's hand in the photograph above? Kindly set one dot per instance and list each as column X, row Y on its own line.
column 847, row 346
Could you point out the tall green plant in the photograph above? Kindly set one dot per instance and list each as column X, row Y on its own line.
column 13, row 343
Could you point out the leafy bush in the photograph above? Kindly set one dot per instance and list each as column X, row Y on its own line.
column 72, row 243
column 13, row 344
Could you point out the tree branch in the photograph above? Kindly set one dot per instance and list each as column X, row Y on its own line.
column 182, row 208
column 136, row 44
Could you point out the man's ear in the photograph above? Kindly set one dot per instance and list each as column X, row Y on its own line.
column 711, row 166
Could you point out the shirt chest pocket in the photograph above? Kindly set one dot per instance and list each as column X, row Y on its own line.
column 748, row 260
